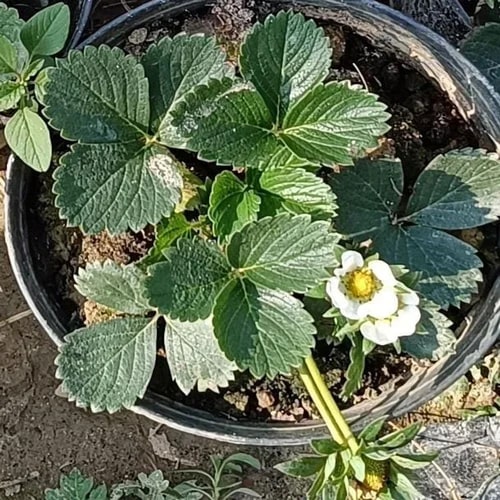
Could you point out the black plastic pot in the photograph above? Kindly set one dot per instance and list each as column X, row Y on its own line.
column 387, row 29
column 80, row 13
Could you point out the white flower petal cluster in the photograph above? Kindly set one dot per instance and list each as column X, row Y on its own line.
column 369, row 293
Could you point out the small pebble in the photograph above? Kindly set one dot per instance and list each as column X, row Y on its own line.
column 138, row 36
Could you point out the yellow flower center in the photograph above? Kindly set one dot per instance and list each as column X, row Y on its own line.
column 361, row 284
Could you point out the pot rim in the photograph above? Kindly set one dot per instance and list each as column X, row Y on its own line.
column 478, row 336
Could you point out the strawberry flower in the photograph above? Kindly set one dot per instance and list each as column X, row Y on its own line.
column 367, row 291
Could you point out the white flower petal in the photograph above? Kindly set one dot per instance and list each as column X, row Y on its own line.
column 380, row 332
column 384, row 304
column 402, row 328
column 409, row 298
column 383, row 272
column 409, row 314
column 352, row 311
column 351, row 260
column 335, row 292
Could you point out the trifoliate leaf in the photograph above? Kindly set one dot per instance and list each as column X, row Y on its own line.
column 8, row 56
column 284, row 58
column 334, row 123
column 174, row 67
column 449, row 267
column 28, row 137
column 46, row 32
column 232, row 204
column 113, row 101
column 195, row 105
column 10, row 94
column 297, row 191
column 433, row 338
column 367, row 195
column 302, row 467
column 185, row 286
column 354, row 373
column 132, row 187
column 238, row 132
column 482, row 48
column 121, row 288
column 266, row 331
column 194, row 356
column 458, row 190
column 75, row 486
column 108, row 366
column 285, row 252
column 168, row 231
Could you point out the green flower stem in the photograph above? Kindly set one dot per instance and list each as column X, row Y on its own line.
column 328, row 409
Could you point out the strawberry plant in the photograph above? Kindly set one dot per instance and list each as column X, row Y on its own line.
column 25, row 50
column 299, row 228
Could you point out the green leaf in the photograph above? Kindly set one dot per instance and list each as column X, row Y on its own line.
column 186, row 284
column 354, row 373
column 46, row 32
column 131, row 188
column 333, row 123
column 266, row 331
column 10, row 28
column 401, row 437
column 372, row 430
column 298, row 191
column 108, row 366
column 113, row 100
column 449, row 267
column 284, row 58
column 194, row 356
column 285, row 252
column 197, row 104
column 414, row 461
column 433, row 338
column 301, row 467
column 368, row 195
column 75, row 486
column 8, row 56
column 325, row 446
column 358, row 467
column 456, row 191
column 282, row 157
column 482, row 48
column 28, row 137
column 403, row 485
column 121, row 288
column 10, row 95
column 174, row 67
column 232, row 204
column 237, row 132
column 243, row 458
column 168, row 231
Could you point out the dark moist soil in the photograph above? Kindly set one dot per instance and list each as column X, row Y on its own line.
column 424, row 124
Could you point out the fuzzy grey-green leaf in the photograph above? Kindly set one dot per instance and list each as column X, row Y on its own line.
column 194, row 356
column 266, row 331
column 10, row 28
column 75, row 486
column 185, row 286
column 28, row 137
column 174, row 67
column 113, row 96
column 232, row 204
column 121, row 288
column 458, row 190
column 108, row 366
column 285, row 252
column 284, row 57
column 131, row 188
column 334, row 123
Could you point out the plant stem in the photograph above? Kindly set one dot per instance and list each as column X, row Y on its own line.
column 328, row 409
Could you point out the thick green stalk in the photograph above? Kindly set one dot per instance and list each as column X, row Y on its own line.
column 328, row 409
